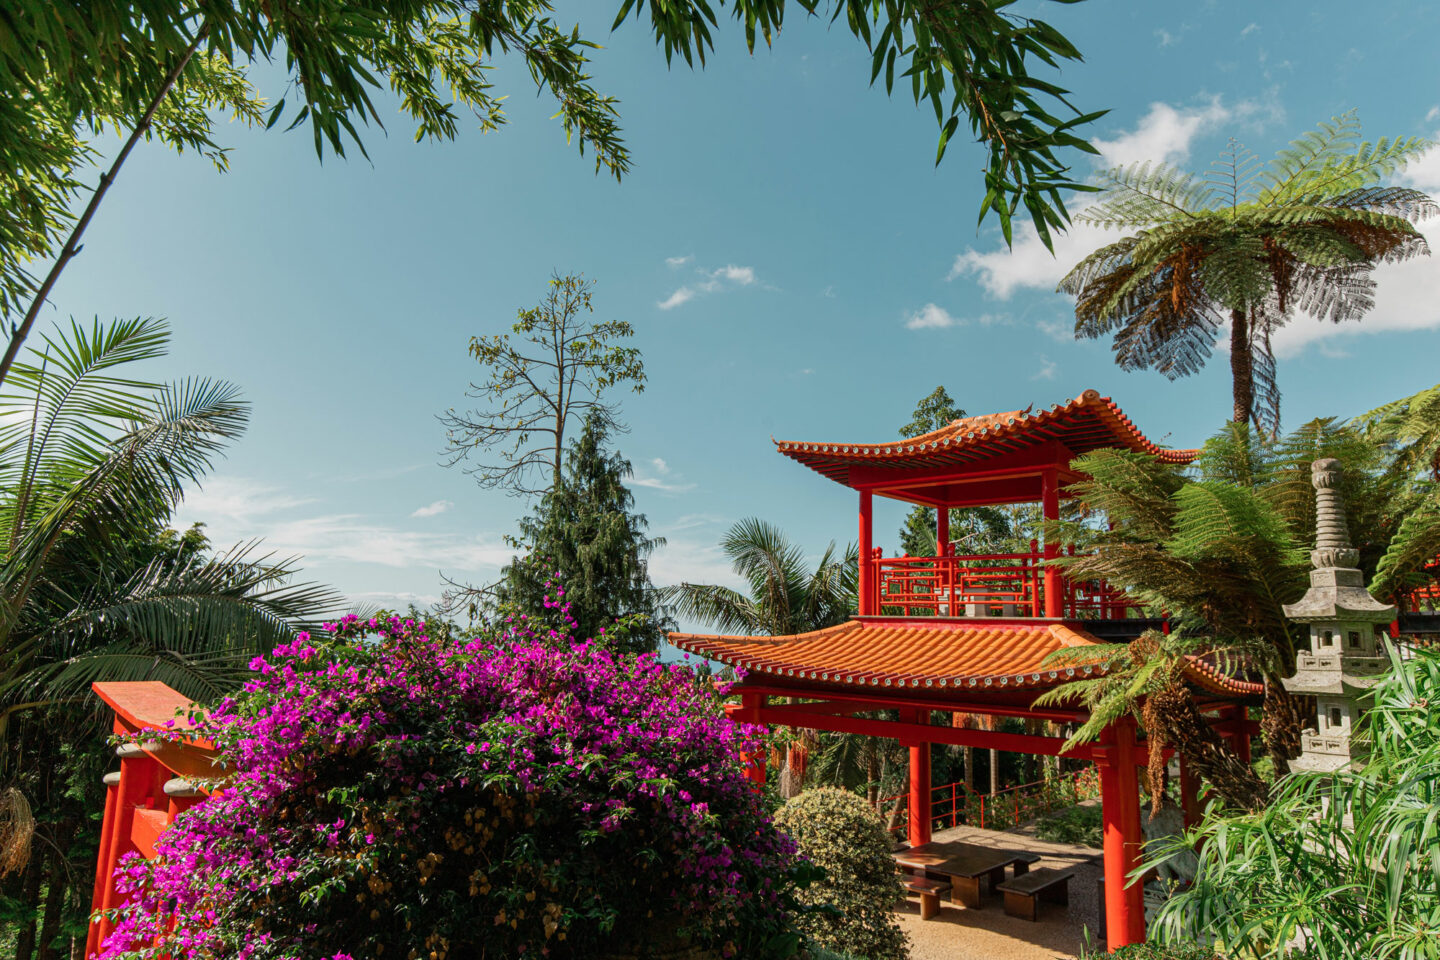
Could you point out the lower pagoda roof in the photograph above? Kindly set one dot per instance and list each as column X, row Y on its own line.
column 938, row 658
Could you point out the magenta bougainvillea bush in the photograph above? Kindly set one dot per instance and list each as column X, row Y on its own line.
column 391, row 795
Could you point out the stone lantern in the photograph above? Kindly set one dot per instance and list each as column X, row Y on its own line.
column 1346, row 625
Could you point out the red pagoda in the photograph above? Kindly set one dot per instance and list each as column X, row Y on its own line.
column 970, row 634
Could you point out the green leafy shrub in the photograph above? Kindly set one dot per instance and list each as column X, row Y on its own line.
column 1159, row 951
column 838, row 832
column 1082, row 825
column 1344, row 866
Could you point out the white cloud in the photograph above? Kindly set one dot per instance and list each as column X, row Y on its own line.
column 744, row 276
column 675, row 263
column 658, row 477
column 1249, row 29
column 1165, row 37
column 1163, row 133
column 434, row 509
column 928, row 317
column 1433, row 114
column 682, row 295
column 1060, row 330
column 714, row 281
column 236, row 509
column 1047, row 371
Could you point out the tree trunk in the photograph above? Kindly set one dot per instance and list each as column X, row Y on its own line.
column 872, row 775
column 1242, row 375
column 55, row 897
column 29, row 905
column 994, row 771
column 970, row 768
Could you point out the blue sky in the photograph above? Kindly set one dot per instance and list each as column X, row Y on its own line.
column 792, row 260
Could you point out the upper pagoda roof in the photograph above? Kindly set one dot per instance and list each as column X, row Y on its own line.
column 939, row 659
column 1089, row 422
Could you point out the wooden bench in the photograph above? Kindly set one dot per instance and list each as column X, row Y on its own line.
column 1023, row 893
column 930, row 892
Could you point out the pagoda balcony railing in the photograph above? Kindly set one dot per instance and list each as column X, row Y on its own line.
column 996, row 584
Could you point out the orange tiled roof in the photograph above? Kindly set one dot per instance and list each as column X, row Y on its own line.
column 1086, row 423
column 943, row 657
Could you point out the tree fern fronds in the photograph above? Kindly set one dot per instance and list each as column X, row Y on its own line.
column 1234, row 455
column 1233, row 175
column 1310, row 152
column 1409, row 561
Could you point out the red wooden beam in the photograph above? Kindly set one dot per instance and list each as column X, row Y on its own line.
column 857, row 701
column 914, row 733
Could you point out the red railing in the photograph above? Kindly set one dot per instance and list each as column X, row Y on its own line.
column 1011, row 584
column 955, row 804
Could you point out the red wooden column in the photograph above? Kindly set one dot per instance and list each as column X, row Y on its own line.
column 102, row 875
column 140, row 781
column 1120, row 801
column 1240, row 724
column 1190, row 795
column 1050, row 505
column 942, row 531
column 867, row 562
column 919, row 810
column 749, row 712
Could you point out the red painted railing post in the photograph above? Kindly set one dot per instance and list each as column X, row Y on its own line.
column 1050, row 506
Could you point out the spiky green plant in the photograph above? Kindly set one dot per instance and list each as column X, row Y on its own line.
column 92, row 459
column 1337, row 867
column 1247, row 243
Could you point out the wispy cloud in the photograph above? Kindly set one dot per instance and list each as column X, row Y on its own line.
column 1249, row 29
column 1047, row 371
column 1165, row 37
column 675, row 263
column 237, row 509
column 658, row 476
column 433, row 509
column 728, row 277
column 932, row 316
column 682, row 295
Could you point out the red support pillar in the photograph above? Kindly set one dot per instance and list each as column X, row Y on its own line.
column 104, row 866
column 1190, row 795
column 750, row 704
column 1240, row 727
column 919, row 810
column 867, row 562
column 942, row 531
column 140, row 782
column 1120, row 803
column 1050, row 505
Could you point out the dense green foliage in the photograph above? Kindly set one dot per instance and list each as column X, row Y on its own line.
column 1409, row 431
column 1080, row 824
column 839, row 832
column 1343, row 866
column 585, row 534
column 1247, row 243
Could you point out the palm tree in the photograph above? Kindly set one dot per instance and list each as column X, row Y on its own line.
column 785, row 596
column 1246, row 243
column 89, row 458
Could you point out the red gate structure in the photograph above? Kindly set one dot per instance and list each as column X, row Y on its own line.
column 153, row 785
column 970, row 634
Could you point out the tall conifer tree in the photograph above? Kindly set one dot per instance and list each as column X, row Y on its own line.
column 585, row 537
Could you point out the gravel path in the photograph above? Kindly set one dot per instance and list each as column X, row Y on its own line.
column 961, row 934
